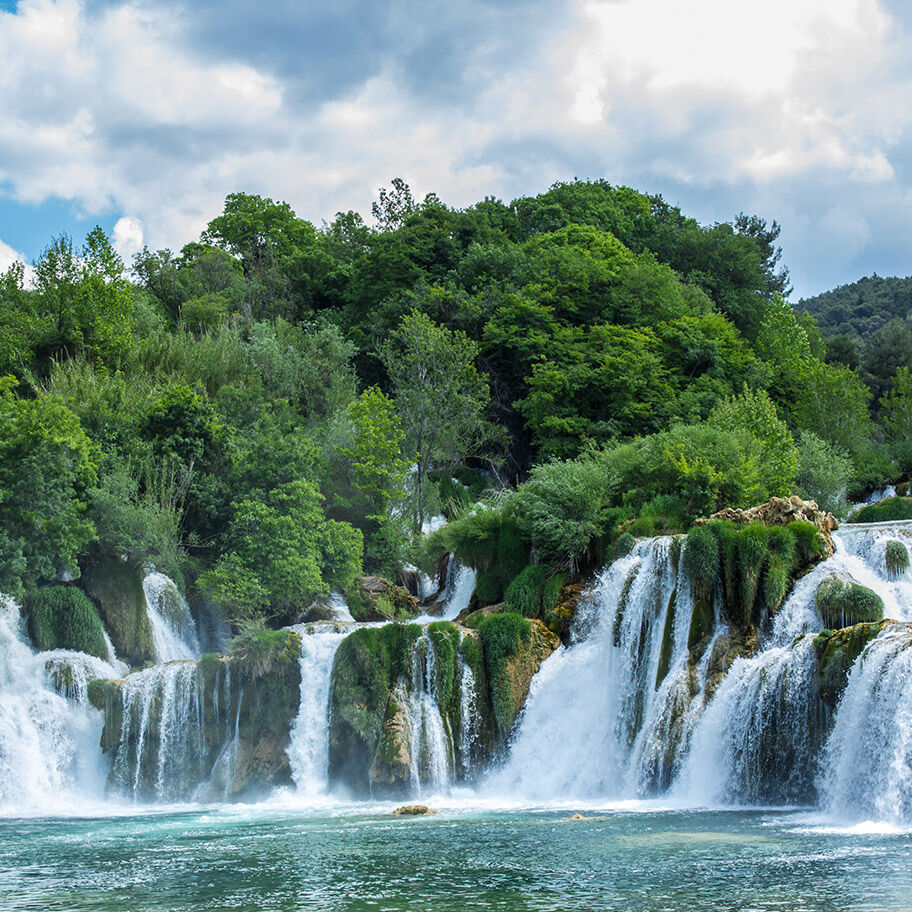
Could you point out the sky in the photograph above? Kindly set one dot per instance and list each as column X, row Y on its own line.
column 142, row 116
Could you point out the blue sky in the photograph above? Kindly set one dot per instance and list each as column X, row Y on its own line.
column 142, row 116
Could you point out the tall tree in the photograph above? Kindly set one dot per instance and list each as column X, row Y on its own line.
column 440, row 397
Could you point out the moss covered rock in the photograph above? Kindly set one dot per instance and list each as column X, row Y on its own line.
column 837, row 651
column 514, row 648
column 62, row 617
column 116, row 589
column 373, row 598
column 891, row 509
column 844, row 603
column 896, row 557
column 753, row 565
column 369, row 664
column 391, row 769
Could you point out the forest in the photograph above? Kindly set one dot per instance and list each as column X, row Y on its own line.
column 280, row 408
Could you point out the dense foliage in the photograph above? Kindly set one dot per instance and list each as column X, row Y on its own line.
column 278, row 408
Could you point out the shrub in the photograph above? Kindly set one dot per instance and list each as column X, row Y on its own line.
column 259, row 650
column 63, row 617
column 844, row 604
column 896, row 557
column 892, row 509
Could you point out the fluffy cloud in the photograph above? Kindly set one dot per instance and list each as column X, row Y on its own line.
column 151, row 111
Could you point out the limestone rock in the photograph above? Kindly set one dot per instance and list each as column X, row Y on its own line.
column 390, row 770
column 377, row 599
column 414, row 810
column 116, row 588
column 780, row 511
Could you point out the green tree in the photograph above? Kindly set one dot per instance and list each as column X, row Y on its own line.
column 896, row 414
column 47, row 466
column 440, row 398
column 754, row 412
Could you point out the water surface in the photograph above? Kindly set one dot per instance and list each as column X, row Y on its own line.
column 264, row 859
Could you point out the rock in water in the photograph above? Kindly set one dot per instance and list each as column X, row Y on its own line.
column 414, row 810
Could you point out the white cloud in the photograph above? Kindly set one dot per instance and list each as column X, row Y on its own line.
column 790, row 108
column 127, row 237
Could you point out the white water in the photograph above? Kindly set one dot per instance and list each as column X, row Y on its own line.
column 308, row 750
column 456, row 594
column 429, row 749
column 174, row 634
column 588, row 704
column 867, row 765
column 49, row 754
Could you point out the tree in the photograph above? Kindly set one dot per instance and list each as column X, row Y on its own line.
column 753, row 411
column 896, row 413
column 440, row 397
column 394, row 206
column 84, row 299
column 47, row 466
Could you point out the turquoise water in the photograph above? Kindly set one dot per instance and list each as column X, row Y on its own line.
column 256, row 859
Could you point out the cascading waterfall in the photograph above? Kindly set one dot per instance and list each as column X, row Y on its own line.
column 469, row 722
column 431, row 746
column 49, row 736
column 168, row 744
column 867, row 764
column 174, row 634
column 588, row 704
column 308, row 750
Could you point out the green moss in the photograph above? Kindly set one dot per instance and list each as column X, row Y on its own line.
column 368, row 664
column 845, row 604
column 258, row 650
column 837, row 651
column 502, row 637
column 701, row 560
column 890, row 510
column 702, row 623
column 524, row 594
column 667, row 640
column 444, row 638
column 896, row 556
column 754, row 564
column 63, row 617
column 470, row 650
column 116, row 588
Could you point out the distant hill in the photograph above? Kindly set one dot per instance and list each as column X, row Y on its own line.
column 861, row 308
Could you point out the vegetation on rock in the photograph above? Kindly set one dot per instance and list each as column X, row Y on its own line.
column 62, row 617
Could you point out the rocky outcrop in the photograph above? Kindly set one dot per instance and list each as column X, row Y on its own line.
column 116, row 588
column 373, row 598
column 780, row 511
column 391, row 768
column 837, row 651
column 216, row 728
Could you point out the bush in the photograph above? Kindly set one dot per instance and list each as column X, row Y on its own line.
column 843, row 604
column 524, row 594
column 258, row 650
column 893, row 509
column 896, row 557
column 63, row 617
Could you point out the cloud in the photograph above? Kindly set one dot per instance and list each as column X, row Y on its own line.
column 127, row 237
column 150, row 112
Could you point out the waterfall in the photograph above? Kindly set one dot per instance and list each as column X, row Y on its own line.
column 758, row 739
column 308, row 750
column 174, row 634
column 49, row 736
column 580, row 734
column 460, row 586
column 469, row 721
column 867, row 765
column 167, row 744
column 430, row 746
